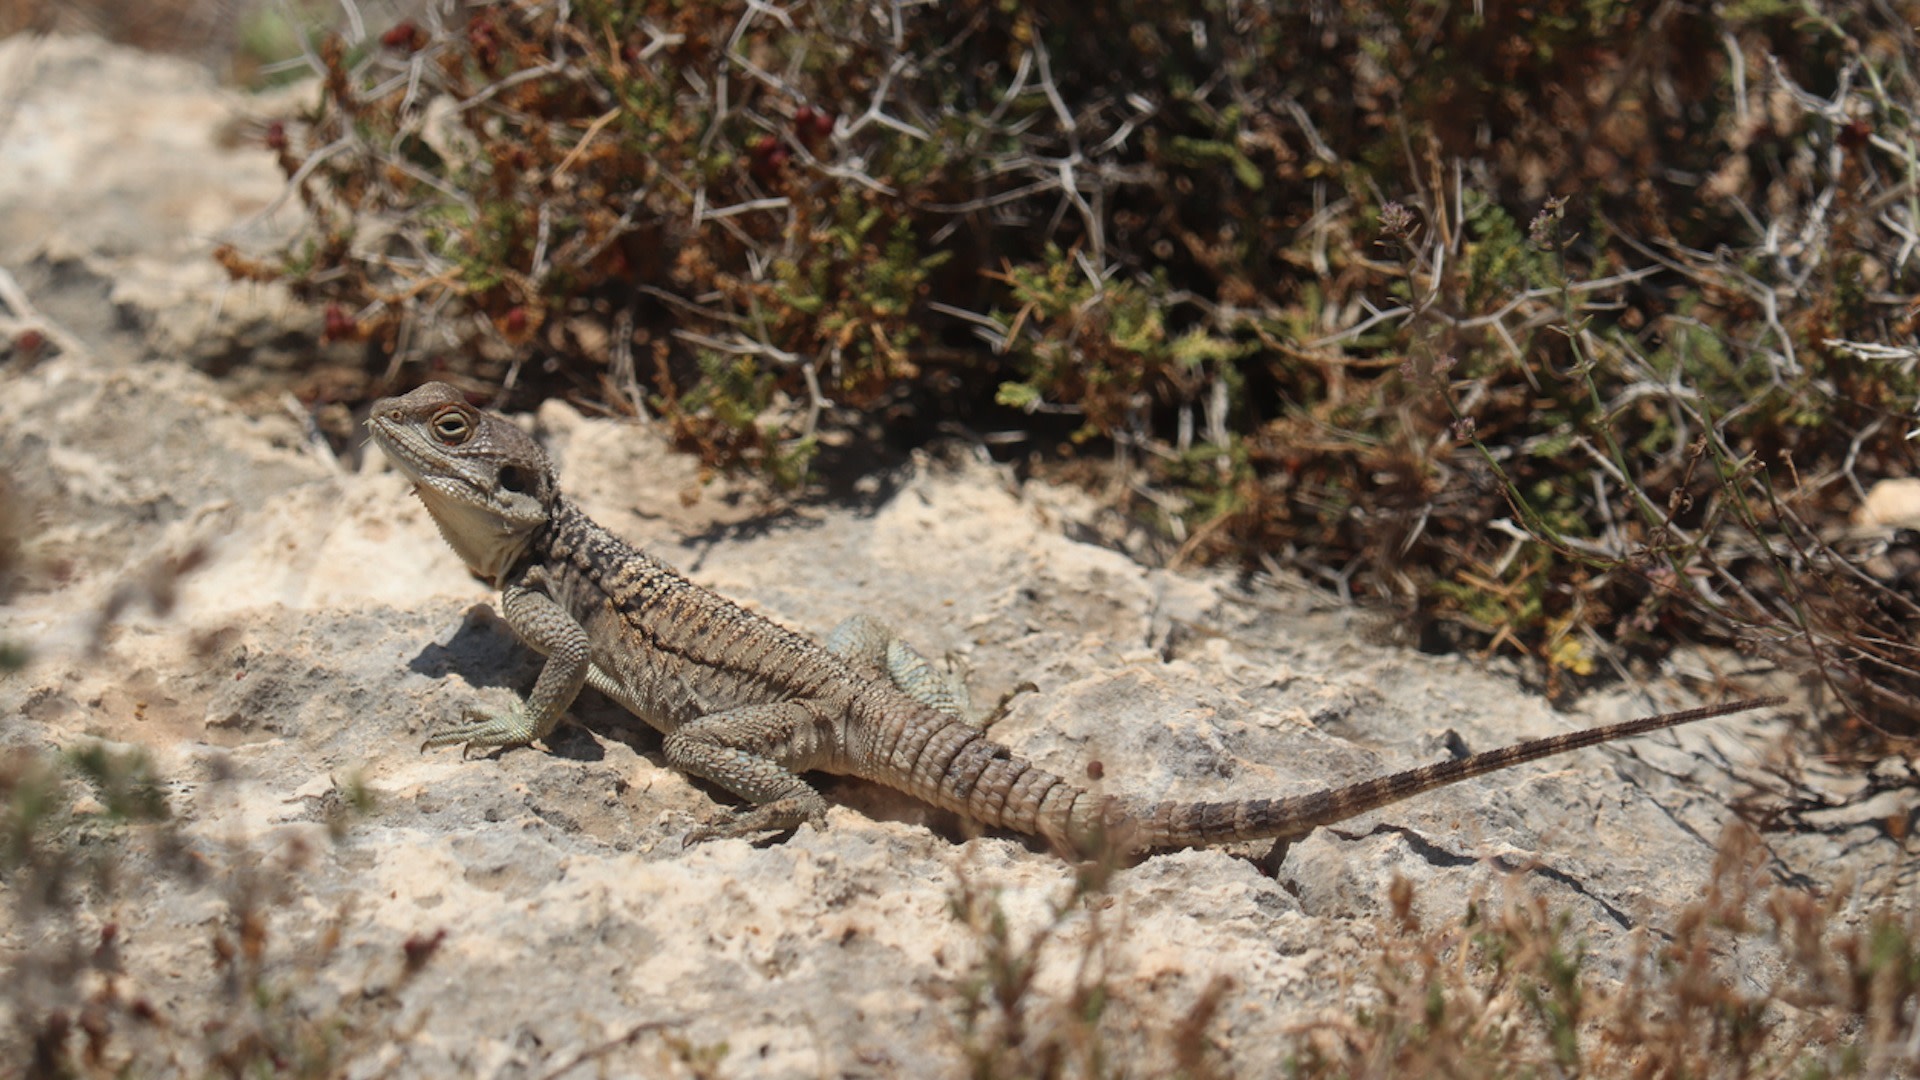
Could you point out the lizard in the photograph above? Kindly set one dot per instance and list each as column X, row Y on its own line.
column 751, row 706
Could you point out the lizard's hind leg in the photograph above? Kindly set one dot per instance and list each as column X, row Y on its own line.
column 757, row 752
column 874, row 648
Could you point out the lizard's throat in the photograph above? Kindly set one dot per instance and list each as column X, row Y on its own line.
column 487, row 541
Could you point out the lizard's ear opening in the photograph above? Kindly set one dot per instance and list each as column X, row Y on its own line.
column 516, row 480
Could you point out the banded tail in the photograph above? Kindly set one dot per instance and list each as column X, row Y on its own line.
column 1193, row 824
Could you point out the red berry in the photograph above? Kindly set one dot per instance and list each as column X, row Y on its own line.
column 768, row 157
column 485, row 39
column 404, row 37
column 338, row 325
column 811, row 125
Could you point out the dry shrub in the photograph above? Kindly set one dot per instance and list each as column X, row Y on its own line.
column 1570, row 330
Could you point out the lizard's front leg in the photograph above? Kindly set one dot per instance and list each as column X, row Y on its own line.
column 542, row 623
column 757, row 752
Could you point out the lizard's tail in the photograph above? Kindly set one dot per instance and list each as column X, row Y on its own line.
column 1191, row 824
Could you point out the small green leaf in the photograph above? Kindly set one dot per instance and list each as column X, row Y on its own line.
column 1018, row 395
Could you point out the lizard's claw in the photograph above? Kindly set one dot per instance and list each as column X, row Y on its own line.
column 778, row 816
column 481, row 732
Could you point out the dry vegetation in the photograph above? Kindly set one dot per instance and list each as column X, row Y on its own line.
column 1569, row 330
column 1501, row 991
column 86, row 841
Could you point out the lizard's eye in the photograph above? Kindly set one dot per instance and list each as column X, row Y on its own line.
column 452, row 427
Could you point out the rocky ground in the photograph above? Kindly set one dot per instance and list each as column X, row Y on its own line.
column 277, row 627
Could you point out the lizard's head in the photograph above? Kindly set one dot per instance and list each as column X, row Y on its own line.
column 486, row 482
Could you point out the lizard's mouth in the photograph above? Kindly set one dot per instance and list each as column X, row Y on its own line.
column 391, row 439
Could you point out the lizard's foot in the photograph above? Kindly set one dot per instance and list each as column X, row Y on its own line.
column 481, row 732
column 780, row 815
